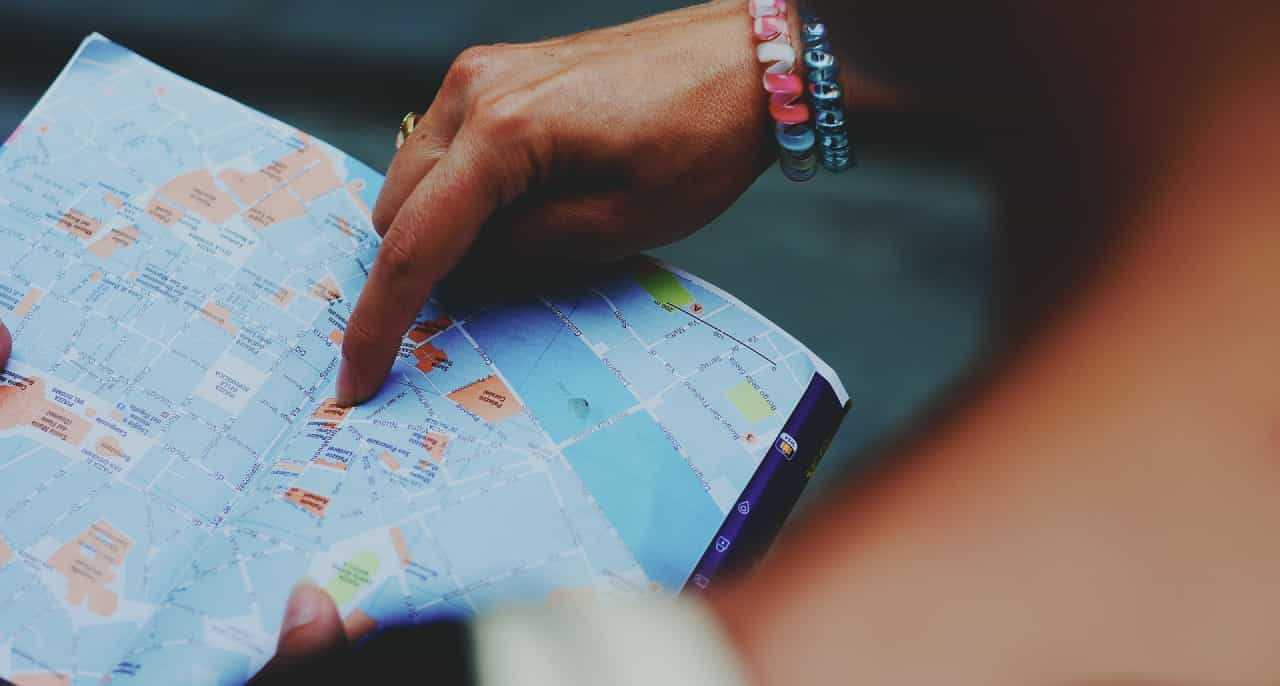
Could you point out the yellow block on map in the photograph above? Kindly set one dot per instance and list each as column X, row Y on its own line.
column 749, row 402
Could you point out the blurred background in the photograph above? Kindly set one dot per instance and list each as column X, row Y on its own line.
column 885, row 272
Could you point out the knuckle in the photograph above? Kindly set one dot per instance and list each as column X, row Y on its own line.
column 395, row 256
column 472, row 65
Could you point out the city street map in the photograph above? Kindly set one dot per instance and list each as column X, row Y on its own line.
column 178, row 270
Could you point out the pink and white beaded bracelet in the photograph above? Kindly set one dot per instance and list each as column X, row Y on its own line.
column 791, row 115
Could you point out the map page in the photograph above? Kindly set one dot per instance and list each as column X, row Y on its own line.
column 178, row 270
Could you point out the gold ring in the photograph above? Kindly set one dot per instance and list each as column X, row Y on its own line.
column 406, row 127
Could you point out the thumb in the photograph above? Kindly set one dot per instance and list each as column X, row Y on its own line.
column 311, row 629
column 311, row 624
column 6, row 344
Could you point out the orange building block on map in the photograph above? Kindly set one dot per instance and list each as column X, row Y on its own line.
column 89, row 563
column 116, row 239
column 329, row 412
column 429, row 357
column 435, row 444
column 78, row 224
column 23, row 404
column 489, row 399
column 197, row 192
column 311, row 502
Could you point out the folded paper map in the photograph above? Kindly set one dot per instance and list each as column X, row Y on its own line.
column 178, row 271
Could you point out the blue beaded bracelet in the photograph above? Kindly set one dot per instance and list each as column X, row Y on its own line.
column 826, row 96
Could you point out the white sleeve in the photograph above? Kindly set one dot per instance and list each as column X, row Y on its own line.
column 671, row 642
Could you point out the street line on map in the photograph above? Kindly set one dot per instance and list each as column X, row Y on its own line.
column 739, row 340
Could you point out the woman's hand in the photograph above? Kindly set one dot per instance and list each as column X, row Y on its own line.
column 589, row 147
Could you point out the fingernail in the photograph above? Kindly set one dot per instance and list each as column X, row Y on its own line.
column 305, row 605
column 346, row 386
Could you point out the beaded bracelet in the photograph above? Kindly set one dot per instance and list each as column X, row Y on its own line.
column 826, row 95
column 791, row 115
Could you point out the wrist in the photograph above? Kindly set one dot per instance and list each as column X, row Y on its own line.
column 740, row 73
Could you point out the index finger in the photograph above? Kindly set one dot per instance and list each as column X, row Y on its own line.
column 6, row 345
column 430, row 234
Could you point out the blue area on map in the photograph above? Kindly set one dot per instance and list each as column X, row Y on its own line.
column 162, row 156
column 593, row 315
column 231, row 461
column 233, row 142
column 643, row 486
column 48, row 633
column 11, row 448
column 215, row 415
column 25, row 607
column 19, row 608
column 296, row 368
column 292, row 240
column 549, row 367
column 534, row 584
column 314, row 348
column 74, row 284
column 160, row 664
column 256, row 426
column 280, row 393
column 284, row 519
column 162, row 319
column 518, row 523
column 741, row 324
column 710, row 445
column 176, row 541
column 194, row 489
column 101, row 645
column 36, row 265
column 650, row 321
column 122, row 304
column 372, row 180
column 353, row 511
column 47, row 333
column 38, row 516
column 21, row 479
column 176, row 624
column 188, row 435
column 218, row 593
column 643, row 371
column 464, row 463
column 149, row 466
column 256, row 346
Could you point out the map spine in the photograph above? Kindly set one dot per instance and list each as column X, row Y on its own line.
column 759, row 513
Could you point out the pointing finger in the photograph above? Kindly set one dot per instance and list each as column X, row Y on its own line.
column 430, row 234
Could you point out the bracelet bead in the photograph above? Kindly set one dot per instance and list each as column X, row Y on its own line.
column 814, row 34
